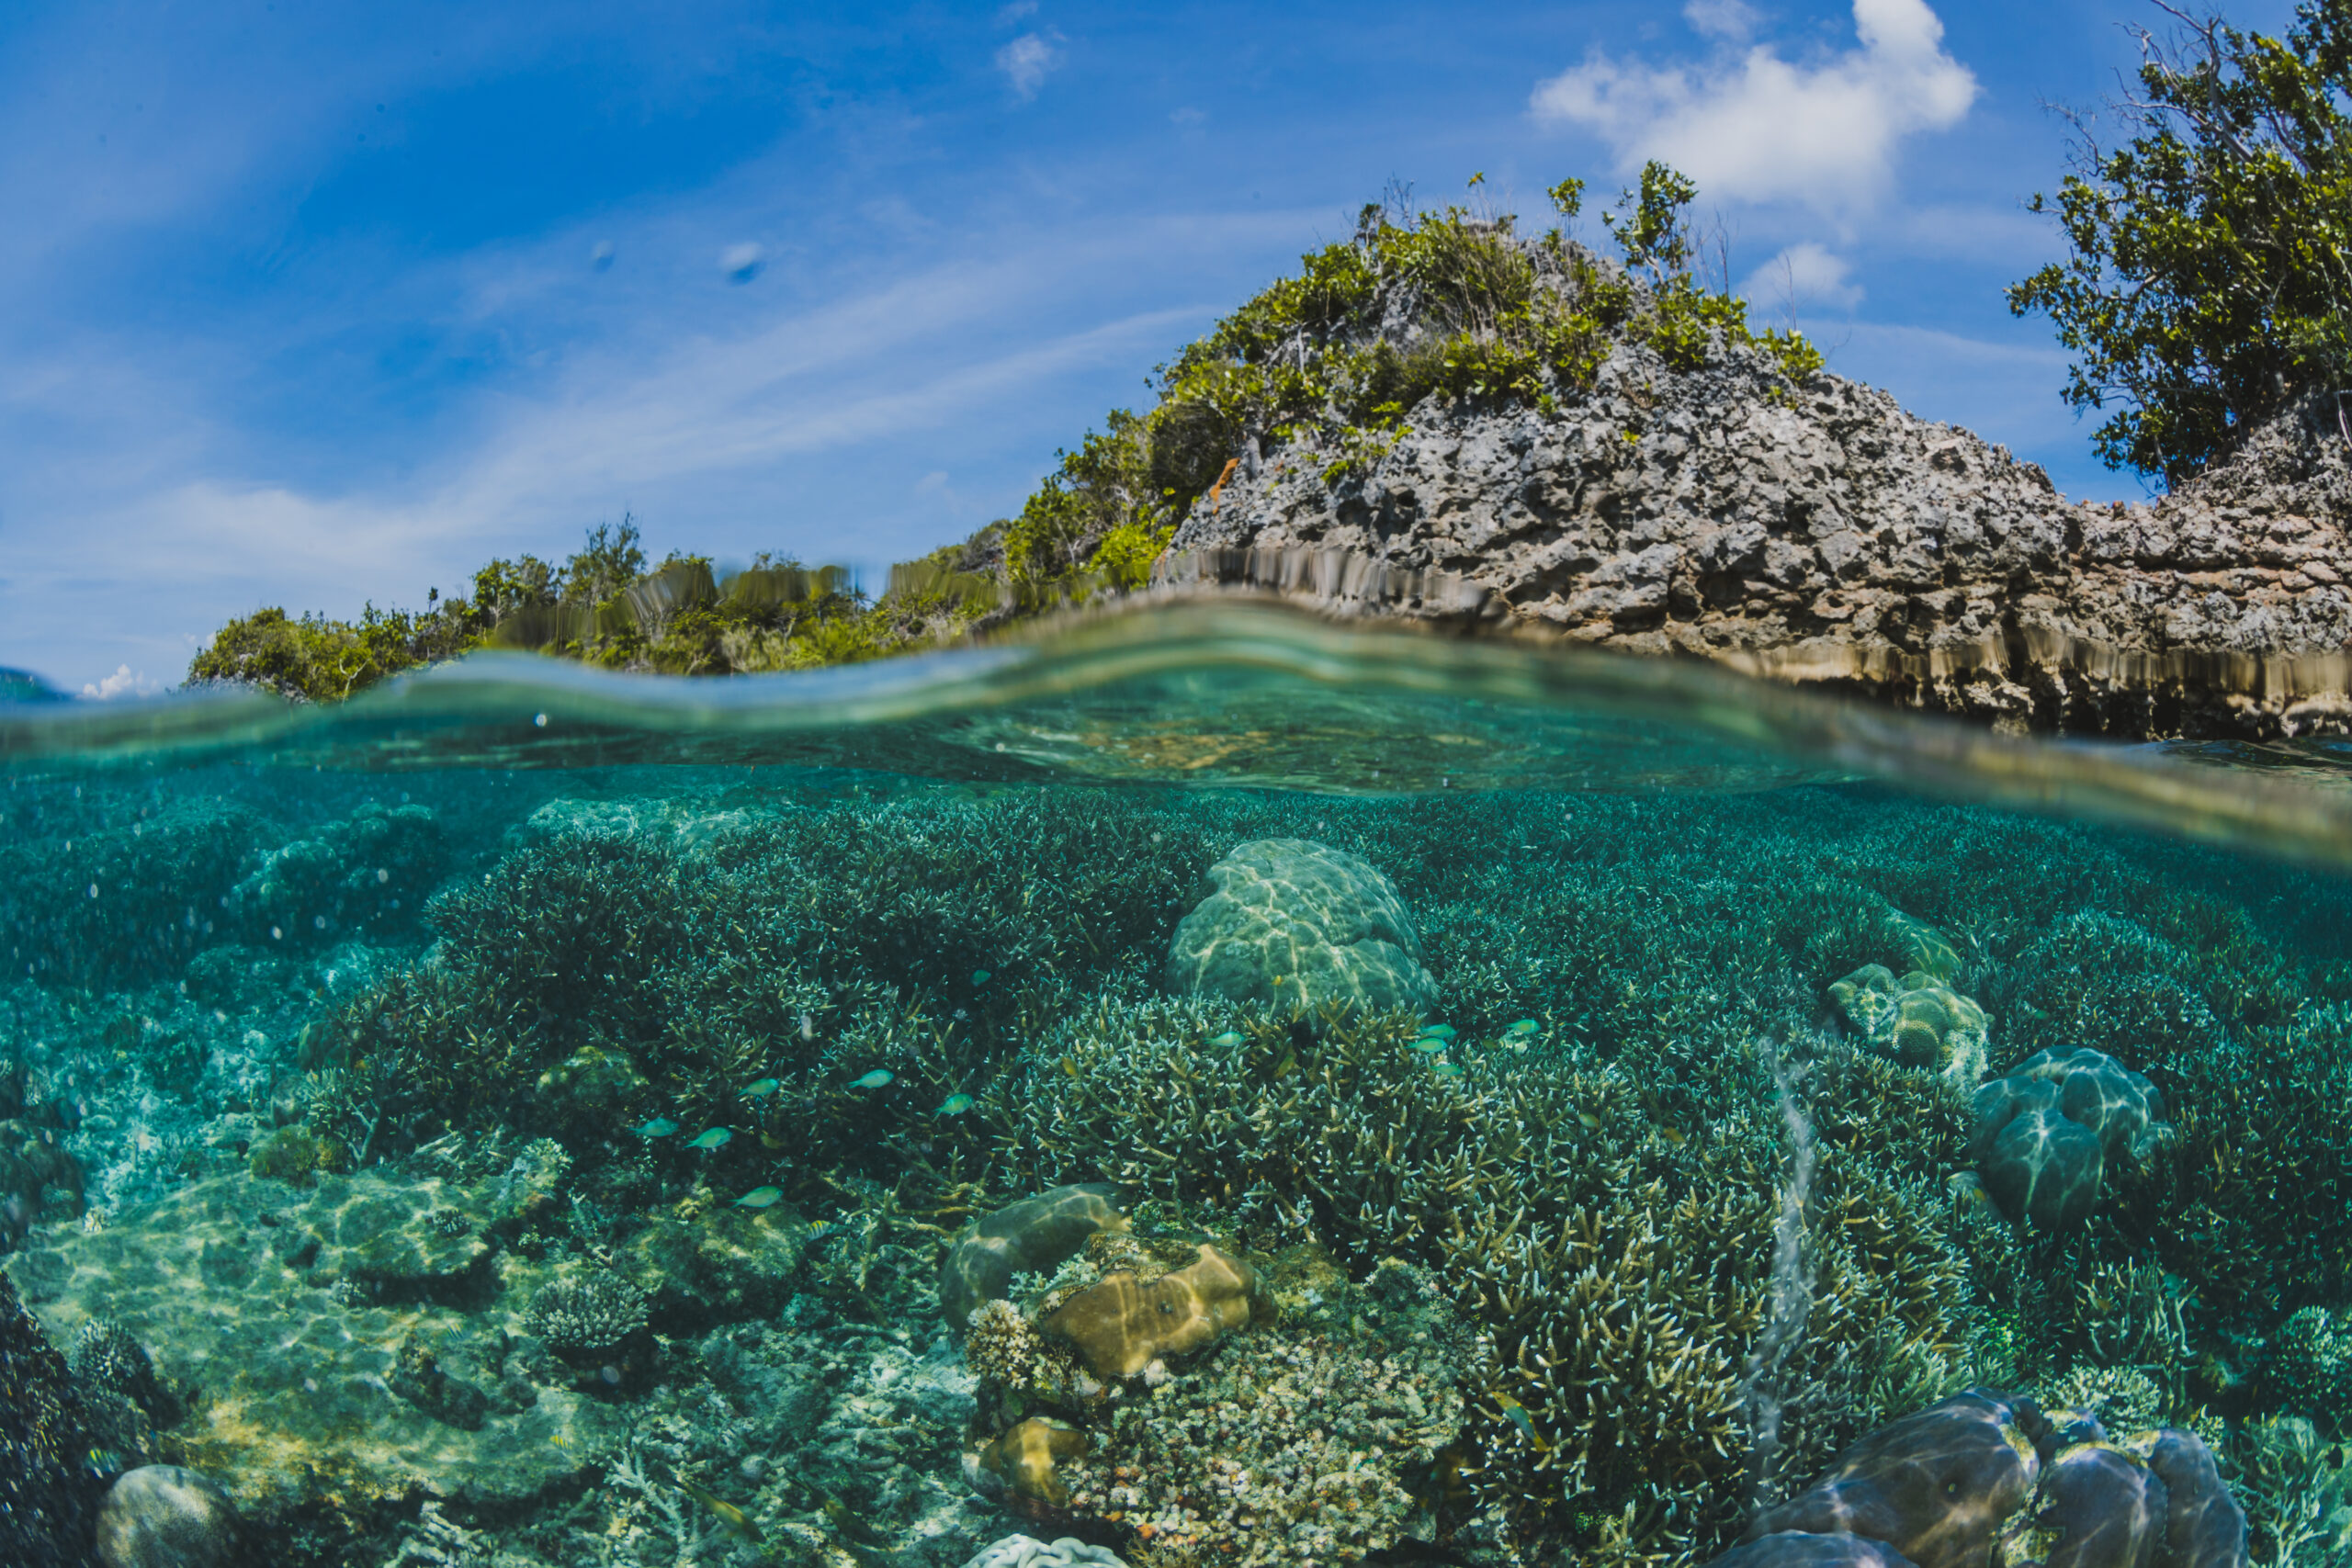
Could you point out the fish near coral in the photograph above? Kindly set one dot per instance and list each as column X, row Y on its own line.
column 1034, row 1235
column 1122, row 1324
column 1024, row 1457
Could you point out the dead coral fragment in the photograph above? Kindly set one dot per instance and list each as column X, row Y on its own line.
column 1024, row 1457
column 1033, row 1237
column 1124, row 1323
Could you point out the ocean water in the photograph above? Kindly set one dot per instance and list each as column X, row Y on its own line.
column 1204, row 1087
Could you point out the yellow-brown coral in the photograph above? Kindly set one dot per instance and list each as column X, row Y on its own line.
column 1124, row 1323
column 1024, row 1457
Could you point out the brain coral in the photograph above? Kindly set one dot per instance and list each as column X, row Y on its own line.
column 2045, row 1133
column 1296, row 923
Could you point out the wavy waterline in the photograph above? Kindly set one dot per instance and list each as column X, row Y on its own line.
column 1230, row 690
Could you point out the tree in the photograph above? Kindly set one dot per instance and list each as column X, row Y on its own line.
column 2209, row 281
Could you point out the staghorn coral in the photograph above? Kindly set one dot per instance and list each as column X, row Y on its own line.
column 586, row 1317
column 1295, row 924
column 48, row 1493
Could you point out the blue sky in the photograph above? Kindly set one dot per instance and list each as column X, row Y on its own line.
column 302, row 304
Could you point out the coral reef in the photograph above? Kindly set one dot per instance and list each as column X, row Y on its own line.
column 48, row 1495
column 1299, row 925
column 1025, row 1456
column 2311, row 1367
column 1033, row 1235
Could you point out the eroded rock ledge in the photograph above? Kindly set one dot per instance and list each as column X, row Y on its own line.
column 1829, row 538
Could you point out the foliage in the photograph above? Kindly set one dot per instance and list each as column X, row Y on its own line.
column 2209, row 283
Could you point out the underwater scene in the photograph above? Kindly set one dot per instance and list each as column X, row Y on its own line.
column 1223, row 1090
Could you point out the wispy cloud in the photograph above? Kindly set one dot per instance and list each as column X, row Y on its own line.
column 1756, row 127
column 1027, row 61
column 1801, row 278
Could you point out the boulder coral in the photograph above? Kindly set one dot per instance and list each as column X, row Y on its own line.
column 1984, row 1477
column 2045, row 1133
column 163, row 1516
column 1292, row 923
column 1031, row 1237
column 1122, row 1324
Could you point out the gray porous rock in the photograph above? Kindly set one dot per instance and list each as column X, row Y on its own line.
column 1026, row 1552
column 1817, row 532
column 161, row 1516
column 1290, row 921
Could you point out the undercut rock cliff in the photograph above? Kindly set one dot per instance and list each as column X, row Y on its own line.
column 1817, row 532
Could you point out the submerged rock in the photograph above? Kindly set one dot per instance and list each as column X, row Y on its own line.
column 1292, row 923
column 161, row 1516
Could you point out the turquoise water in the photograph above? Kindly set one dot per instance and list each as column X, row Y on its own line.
column 1207, row 1088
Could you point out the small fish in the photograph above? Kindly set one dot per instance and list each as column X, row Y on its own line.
column 979, row 976
column 760, row 1089
column 1520, row 1027
column 1428, row 1045
column 1070, row 1066
column 808, row 1027
column 715, row 1138
column 772, row 1141
column 1287, row 1065
column 759, row 1197
column 875, row 1079
column 658, row 1127
column 1516, row 1413
column 1589, row 1119
column 1437, row 1032
column 956, row 1105
column 1674, row 1135
column 1228, row 1040
column 733, row 1517
column 1446, row 1069
column 852, row 1530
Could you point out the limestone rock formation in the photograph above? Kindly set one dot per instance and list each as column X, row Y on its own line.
column 1828, row 536
column 1295, row 923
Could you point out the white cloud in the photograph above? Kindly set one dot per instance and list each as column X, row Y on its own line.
column 1802, row 277
column 1755, row 126
column 121, row 683
column 1026, row 62
column 1733, row 19
column 1014, row 12
column 741, row 263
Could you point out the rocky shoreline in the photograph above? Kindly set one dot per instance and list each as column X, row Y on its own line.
column 1825, row 536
